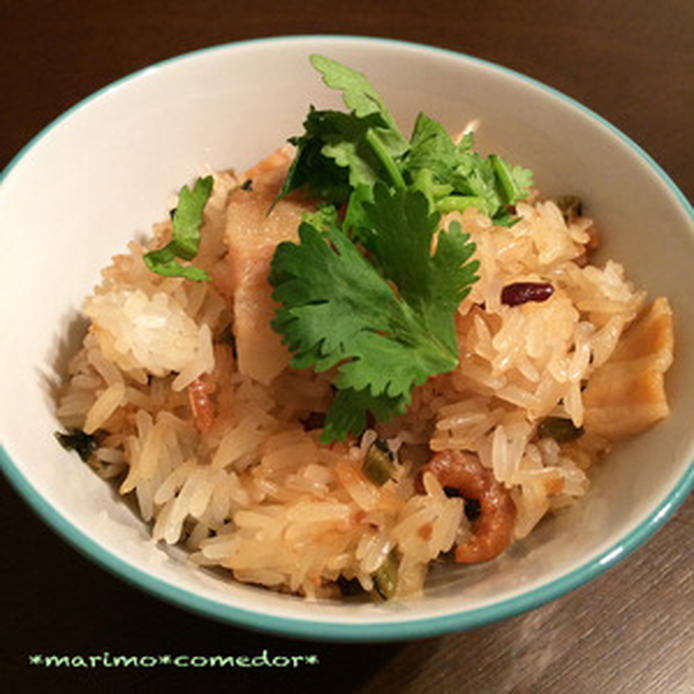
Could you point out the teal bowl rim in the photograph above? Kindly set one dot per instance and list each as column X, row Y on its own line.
column 360, row 631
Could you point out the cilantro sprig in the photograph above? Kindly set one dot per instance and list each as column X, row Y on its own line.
column 362, row 291
column 454, row 177
column 340, row 156
column 338, row 310
column 185, row 236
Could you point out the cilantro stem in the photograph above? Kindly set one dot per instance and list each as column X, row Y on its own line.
column 384, row 157
column 459, row 203
column 503, row 174
column 424, row 182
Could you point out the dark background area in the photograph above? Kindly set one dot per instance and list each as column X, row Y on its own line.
column 631, row 630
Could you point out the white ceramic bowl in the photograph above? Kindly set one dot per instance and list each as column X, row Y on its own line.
column 104, row 171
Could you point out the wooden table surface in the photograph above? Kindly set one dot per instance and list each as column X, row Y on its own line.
column 629, row 631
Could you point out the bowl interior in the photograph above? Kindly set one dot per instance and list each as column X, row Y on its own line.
column 106, row 171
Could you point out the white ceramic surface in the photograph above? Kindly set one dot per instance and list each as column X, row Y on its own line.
column 105, row 171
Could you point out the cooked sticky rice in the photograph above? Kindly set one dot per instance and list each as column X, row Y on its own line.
column 232, row 467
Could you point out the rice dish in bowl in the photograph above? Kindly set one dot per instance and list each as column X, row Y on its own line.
column 560, row 553
column 185, row 392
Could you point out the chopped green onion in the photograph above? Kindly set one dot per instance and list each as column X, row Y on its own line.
column 378, row 463
column 559, row 429
column 570, row 206
column 76, row 440
column 385, row 578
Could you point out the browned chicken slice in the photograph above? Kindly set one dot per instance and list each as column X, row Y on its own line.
column 251, row 237
column 626, row 395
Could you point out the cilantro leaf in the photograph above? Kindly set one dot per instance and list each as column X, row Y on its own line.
column 337, row 310
column 185, row 236
column 454, row 177
column 342, row 152
column 322, row 218
column 324, row 178
column 339, row 151
column 357, row 92
column 350, row 147
column 348, row 412
column 367, row 295
column 355, row 217
column 163, row 262
column 360, row 96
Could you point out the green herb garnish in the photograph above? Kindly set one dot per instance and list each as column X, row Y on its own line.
column 385, row 578
column 559, row 429
column 378, row 463
column 185, row 237
column 362, row 291
column 340, row 151
column 80, row 442
column 570, row 206
column 339, row 310
column 342, row 155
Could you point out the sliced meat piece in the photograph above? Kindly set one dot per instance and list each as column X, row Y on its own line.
column 626, row 395
column 251, row 237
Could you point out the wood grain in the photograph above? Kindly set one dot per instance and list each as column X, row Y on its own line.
column 630, row 631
